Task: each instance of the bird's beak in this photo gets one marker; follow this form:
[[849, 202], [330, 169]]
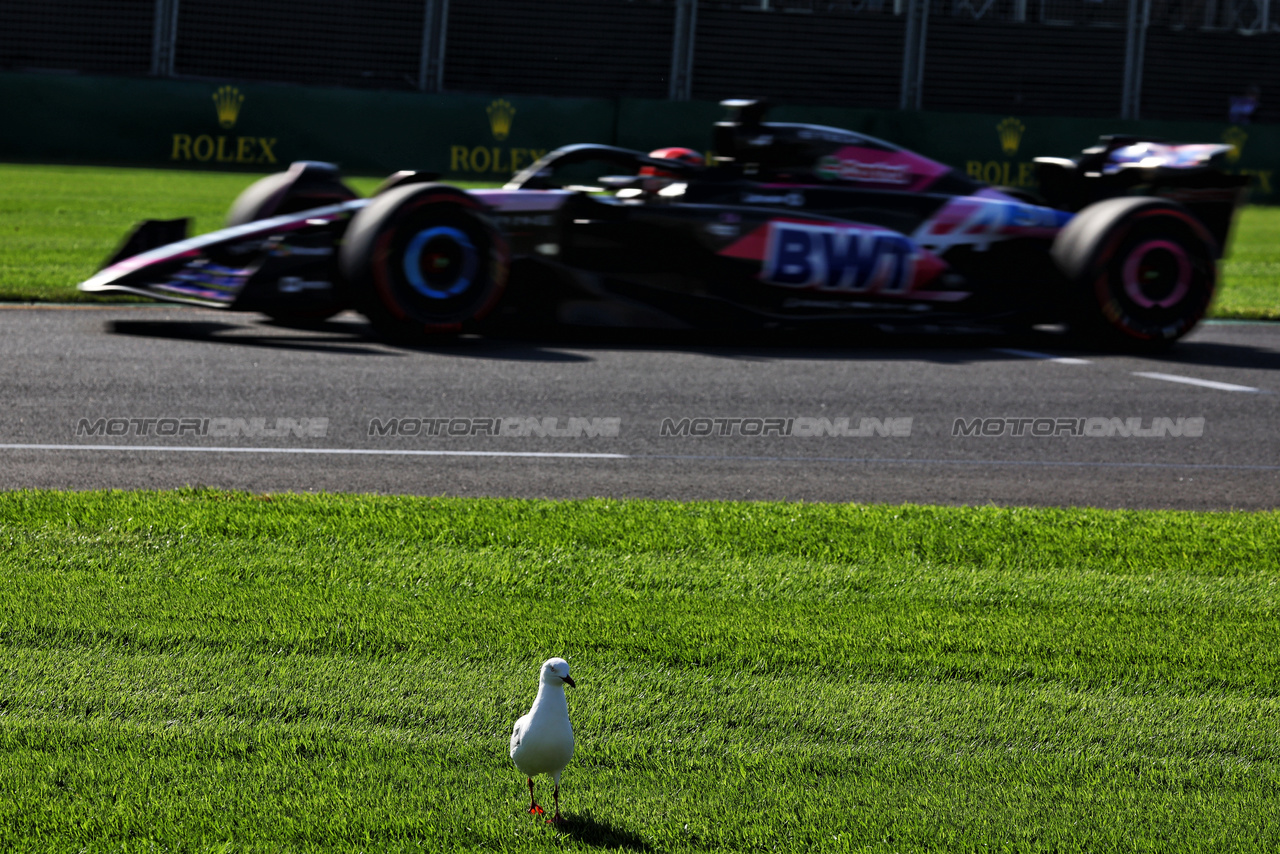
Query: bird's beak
[[569, 679]]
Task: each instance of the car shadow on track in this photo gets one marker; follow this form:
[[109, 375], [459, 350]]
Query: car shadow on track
[[318, 340], [940, 347], [335, 337], [1215, 354], [944, 347]]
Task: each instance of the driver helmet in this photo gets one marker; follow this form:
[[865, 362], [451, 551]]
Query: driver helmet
[[684, 155]]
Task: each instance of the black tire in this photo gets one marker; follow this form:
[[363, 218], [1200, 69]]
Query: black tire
[[422, 261], [1142, 272], [305, 185]]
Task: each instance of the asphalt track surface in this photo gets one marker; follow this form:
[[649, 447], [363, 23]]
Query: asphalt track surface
[[158, 397]]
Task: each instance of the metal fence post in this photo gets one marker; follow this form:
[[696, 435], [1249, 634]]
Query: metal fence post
[[164, 33], [435, 21], [913, 55], [1134, 49], [681, 83]]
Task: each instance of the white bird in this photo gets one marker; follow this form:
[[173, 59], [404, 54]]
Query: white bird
[[542, 741]]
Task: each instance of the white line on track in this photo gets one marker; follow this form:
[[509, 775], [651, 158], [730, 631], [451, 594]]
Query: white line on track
[[1047, 357], [387, 452], [1175, 378], [642, 457]]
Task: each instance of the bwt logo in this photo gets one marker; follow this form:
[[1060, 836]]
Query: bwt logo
[[1094, 427], [806, 427], [575, 428], [851, 259], [249, 428]]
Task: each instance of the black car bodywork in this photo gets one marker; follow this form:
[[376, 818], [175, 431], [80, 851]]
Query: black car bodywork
[[790, 226]]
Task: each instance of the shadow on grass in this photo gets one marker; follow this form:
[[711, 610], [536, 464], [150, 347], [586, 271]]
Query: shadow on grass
[[593, 831]]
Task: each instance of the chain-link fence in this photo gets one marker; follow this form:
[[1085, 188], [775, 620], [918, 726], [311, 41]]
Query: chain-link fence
[[1154, 59]]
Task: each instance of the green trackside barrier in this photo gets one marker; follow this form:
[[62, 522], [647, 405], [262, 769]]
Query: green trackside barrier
[[262, 127]]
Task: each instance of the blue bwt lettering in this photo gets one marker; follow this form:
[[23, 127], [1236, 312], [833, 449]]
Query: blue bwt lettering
[[852, 260]]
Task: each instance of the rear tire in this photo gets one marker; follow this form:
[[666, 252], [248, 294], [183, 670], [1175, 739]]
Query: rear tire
[[422, 261], [1142, 272]]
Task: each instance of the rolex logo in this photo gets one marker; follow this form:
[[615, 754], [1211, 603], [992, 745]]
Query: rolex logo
[[228, 100], [1010, 131], [500, 115], [1236, 138]]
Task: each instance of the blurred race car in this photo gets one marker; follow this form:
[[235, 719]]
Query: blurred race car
[[790, 226]]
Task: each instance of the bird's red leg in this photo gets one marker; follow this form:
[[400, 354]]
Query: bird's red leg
[[533, 805], [557, 819]]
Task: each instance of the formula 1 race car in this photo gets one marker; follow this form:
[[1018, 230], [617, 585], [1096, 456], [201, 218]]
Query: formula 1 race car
[[790, 226]]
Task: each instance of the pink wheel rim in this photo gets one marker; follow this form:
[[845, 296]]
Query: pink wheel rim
[[1136, 270]]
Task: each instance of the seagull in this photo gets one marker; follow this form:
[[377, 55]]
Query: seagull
[[542, 741]]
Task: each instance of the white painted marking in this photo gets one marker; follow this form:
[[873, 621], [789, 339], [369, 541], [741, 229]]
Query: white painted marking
[[388, 452], [1032, 354], [709, 458], [1174, 378]]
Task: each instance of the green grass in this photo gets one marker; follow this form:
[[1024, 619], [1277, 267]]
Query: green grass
[[208, 670], [58, 223], [1251, 273]]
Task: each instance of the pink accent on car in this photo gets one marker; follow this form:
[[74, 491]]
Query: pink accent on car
[[1133, 274], [978, 221], [925, 266], [993, 193], [145, 259], [928, 268], [751, 246], [1149, 155], [889, 169], [517, 201]]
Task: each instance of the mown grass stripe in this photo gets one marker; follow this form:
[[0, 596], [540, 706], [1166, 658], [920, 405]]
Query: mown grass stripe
[[214, 670]]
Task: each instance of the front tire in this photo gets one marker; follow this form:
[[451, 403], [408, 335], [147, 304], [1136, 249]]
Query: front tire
[[1142, 272], [424, 260], [305, 185]]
